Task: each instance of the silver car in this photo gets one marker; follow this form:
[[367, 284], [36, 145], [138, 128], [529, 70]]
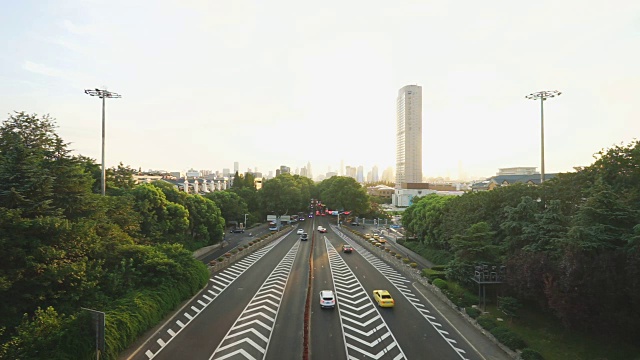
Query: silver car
[[327, 299]]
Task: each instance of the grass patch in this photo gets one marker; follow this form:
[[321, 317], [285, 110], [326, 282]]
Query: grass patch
[[545, 334], [436, 256]]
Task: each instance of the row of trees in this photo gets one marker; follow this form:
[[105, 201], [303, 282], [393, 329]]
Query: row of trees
[[571, 246], [63, 246]]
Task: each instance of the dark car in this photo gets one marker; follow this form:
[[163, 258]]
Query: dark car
[[237, 230], [354, 224], [346, 248], [304, 237]]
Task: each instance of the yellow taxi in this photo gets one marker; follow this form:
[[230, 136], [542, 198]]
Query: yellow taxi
[[367, 236], [382, 240], [376, 236], [383, 298]]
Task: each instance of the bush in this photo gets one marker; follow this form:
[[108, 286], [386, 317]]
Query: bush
[[439, 268], [472, 312], [470, 299], [508, 338], [487, 322], [440, 284], [432, 274], [530, 354]]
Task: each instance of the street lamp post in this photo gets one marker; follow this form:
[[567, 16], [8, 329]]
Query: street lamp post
[[245, 220], [103, 94], [542, 95]]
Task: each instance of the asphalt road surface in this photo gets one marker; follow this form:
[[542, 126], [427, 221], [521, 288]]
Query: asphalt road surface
[[254, 308]]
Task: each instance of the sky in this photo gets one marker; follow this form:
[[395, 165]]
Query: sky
[[205, 83]]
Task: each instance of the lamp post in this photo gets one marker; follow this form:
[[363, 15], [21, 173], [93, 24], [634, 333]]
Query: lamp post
[[245, 220], [542, 96], [102, 94]]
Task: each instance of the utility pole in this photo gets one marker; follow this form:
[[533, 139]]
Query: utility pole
[[103, 94], [542, 95]]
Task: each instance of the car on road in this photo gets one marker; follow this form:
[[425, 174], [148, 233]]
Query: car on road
[[304, 237], [383, 298], [237, 230], [322, 229], [367, 236], [376, 236], [327, 299], [354, 224], [346, 248], [300, 231], [382, 240]]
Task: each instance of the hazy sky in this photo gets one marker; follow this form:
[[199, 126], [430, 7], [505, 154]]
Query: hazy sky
[[270, 83]]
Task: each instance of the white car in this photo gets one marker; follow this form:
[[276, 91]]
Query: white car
[[300, 232], [327, 299]]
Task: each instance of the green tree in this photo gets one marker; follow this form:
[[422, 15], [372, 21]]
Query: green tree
[[281, 195], [162, 221], [232, 206], [120, 177], [205, 221], [344, 193], [29, 148]]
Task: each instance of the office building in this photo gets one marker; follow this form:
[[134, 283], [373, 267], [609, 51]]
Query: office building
[[409, 136]]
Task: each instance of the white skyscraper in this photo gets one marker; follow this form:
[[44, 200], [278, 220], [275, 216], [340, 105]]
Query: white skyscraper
[[409, 135]]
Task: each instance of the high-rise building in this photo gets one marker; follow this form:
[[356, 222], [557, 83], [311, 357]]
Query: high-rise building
[[236, 167], [341, 168], [374, 174], [309, 173], [360, 174], [409, 135], [387, 175], [350, 171]]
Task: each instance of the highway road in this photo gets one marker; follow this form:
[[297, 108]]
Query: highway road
[[254, 309]]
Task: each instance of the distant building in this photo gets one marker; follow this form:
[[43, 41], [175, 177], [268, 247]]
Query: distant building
[[236, 167], [360, 174], [506, 180], [226, 172], [283, 170], [517, 171], [191, 173], [388, 175], [403, 196], [350, 171], [257, 182], [381, 191], [374, 174], [409, 135]]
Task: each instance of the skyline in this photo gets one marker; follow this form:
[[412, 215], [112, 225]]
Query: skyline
[[205, 85]]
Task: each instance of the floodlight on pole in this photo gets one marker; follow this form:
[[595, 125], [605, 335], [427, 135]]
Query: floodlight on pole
[[542, 96], [103, 94]]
